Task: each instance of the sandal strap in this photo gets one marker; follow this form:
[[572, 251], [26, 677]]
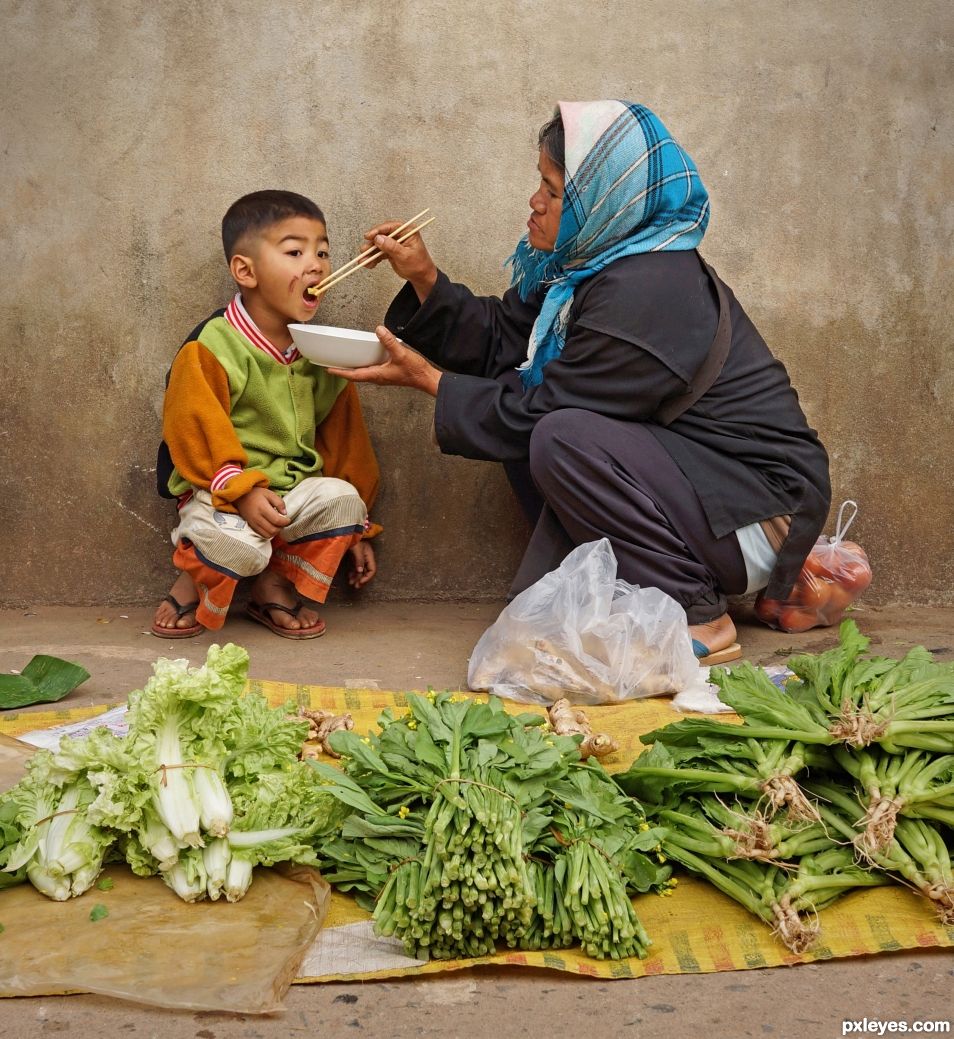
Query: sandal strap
[[181, 608], [292, 611], [700, 649]]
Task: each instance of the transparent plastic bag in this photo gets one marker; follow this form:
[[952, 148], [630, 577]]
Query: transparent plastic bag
[[835, 573], [581, 633]]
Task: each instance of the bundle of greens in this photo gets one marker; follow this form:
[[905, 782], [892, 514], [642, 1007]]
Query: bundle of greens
[[740, 832], [783, 870], [915, 784], [858, 750], [917, 853], [787, 896], [470, 826], [899, 704], [205, 786], [700, 754], [59, 849]]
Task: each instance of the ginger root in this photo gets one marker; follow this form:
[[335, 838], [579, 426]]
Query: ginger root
[[565, 720], [321, 724]]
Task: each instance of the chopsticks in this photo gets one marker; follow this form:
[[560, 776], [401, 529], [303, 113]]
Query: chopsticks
[[370, 255]]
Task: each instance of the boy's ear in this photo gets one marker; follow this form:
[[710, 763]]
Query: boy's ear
[[243, 271]]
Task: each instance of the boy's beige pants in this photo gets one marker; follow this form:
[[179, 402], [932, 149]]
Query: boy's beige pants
[[218, 548]]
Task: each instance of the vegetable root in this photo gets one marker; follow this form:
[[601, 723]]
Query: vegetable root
[[857, 728], [754, 840], [880, 822], [784, 791], [566, 720], [321, 724], [943, 898], [791, 928]]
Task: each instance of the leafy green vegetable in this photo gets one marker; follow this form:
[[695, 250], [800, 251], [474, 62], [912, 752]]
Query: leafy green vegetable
[[98, 912], [10, 833], [916, 853], [205, 785], [279, 816], [44, 680], [105, 884], [858, 748], [60, 847], [470, 826]]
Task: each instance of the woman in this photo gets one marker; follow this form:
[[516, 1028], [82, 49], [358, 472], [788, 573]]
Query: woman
[[619, 380]]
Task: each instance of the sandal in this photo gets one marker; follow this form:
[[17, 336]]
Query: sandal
[[181, 610], [259, 612], [720, 656]]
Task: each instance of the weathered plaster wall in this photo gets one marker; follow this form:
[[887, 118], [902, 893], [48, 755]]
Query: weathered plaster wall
[[823, 131]]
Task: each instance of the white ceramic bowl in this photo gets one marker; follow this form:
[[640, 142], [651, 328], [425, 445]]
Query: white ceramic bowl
[[338, 347]]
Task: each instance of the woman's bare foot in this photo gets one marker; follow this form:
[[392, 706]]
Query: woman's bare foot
[[716, 635], [167, 617], [270, 587]]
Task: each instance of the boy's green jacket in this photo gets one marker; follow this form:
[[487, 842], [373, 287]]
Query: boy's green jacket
[[237, 416]]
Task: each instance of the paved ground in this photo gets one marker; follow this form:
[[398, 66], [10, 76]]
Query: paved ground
[[402, 646]]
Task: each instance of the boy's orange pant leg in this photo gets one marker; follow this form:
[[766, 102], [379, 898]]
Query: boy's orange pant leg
[[215, 586], [310, 564]]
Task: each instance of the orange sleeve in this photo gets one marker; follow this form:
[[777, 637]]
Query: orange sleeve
[[342, 441], [197, 428]]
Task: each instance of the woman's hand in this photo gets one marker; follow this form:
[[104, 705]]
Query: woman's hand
[[363, 565], [404, 367], [410, 260]]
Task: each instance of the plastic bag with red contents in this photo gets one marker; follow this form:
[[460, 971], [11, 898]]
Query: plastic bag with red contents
[[835, 573]]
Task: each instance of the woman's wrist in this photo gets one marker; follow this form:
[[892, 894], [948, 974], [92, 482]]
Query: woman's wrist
[[424, 285], [431, 381]]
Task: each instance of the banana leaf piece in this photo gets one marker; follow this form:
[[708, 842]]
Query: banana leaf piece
[[44, 680]]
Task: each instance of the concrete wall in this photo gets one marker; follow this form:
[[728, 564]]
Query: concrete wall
[[822, 129]]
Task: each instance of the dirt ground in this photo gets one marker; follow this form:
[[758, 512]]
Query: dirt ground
[[407, 646]]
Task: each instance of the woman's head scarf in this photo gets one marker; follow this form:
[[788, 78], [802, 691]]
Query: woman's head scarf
[[629, 188]]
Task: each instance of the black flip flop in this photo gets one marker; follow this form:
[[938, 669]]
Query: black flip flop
[[259, 612], [181, 610]]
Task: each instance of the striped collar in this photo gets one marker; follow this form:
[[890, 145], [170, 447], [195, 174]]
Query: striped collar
[[238, 317]]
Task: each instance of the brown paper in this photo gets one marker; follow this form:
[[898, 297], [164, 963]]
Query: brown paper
[[13, 758], [154, 948]]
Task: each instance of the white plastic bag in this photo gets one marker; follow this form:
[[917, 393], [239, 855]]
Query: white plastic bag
[[581, 633]]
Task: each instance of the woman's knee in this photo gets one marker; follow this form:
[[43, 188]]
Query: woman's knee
[[556, 439]]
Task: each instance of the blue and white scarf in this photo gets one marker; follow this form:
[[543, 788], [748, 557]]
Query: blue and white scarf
[[629, 188]]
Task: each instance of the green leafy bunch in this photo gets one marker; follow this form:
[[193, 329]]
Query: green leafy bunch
[[470, 826]]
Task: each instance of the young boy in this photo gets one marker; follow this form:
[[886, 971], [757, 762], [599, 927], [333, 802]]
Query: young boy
[[267, 454]]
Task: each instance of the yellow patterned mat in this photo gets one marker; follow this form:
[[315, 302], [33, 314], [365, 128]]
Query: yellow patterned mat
[[695, 931]]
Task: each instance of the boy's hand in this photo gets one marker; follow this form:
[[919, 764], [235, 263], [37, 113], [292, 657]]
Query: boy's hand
[[404, 367], [263, 510], [410, 260], [363, 565]]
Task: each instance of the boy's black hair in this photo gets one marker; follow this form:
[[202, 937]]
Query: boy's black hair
[[261, 209], [552, 140]]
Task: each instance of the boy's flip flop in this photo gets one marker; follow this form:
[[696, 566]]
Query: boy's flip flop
[[259, 612], [181, 610], [720, 656]]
